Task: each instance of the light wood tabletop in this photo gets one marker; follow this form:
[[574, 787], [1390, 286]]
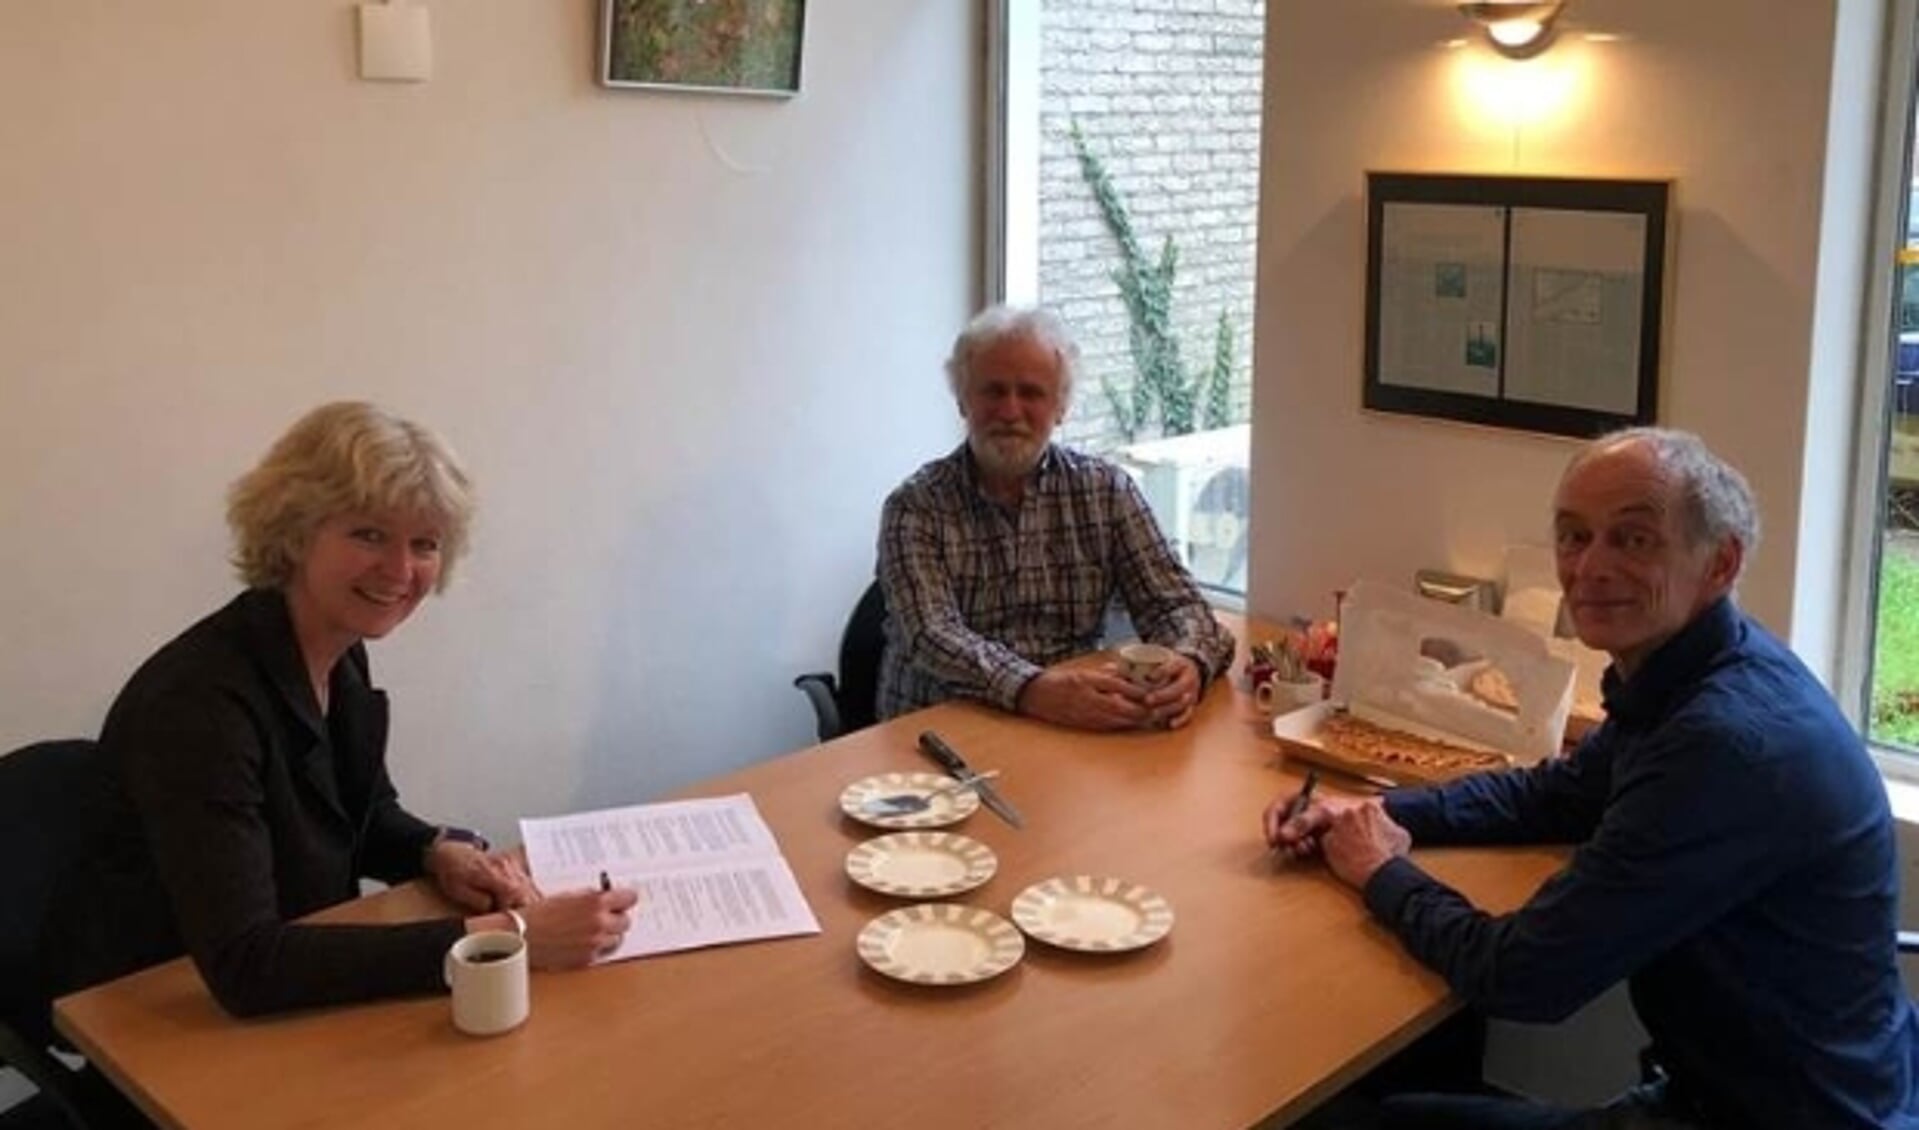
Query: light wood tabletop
[[1272, 991]]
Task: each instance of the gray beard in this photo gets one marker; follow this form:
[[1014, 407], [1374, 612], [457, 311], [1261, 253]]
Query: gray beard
[[1006, 458]]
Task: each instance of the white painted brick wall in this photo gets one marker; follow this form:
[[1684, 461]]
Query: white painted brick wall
[[1167, 95]]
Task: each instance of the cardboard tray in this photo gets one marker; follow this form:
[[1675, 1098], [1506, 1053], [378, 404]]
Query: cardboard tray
[[1297, 733]]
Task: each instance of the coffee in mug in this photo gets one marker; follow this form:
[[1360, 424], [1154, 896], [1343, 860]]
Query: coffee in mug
[[488, 975]]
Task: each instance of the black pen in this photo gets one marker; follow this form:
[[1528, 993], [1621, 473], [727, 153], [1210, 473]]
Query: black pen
[[1305, 797], [606, 884]]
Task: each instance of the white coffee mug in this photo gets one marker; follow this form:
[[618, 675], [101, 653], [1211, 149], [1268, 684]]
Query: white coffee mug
[[487, 973], [1145, 664], [1282, 696]]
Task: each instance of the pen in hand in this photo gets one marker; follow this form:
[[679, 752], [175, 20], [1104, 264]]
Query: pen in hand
[[1297, 806]]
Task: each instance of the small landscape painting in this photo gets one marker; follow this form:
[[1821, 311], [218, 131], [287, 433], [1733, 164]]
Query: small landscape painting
[[717, 46]]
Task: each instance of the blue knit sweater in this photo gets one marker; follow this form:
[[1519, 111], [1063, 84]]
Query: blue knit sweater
[[1735, 863]]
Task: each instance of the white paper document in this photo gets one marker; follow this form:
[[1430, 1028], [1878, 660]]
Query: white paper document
[[709, 871], [1442, 290], [1572, 335]]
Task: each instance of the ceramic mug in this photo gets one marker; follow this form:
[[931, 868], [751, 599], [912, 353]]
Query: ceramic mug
[[1280, 696], [1146, 664], [487, 973]]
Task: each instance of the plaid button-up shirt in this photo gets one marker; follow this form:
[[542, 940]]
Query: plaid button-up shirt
[[981, 597]]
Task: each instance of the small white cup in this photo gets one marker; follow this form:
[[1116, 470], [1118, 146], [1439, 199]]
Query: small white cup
[[1280, 696], [487, 973], [1146, 664]]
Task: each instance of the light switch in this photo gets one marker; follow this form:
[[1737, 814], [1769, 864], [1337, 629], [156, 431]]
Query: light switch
[[396, 43]]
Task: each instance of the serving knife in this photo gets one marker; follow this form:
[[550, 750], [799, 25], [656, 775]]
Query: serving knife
[[935, 747]]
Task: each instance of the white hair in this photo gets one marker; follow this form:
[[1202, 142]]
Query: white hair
[[1716, 502], [1002, 323]]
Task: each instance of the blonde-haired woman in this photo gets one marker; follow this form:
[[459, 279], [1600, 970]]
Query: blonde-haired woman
[[246, 761]]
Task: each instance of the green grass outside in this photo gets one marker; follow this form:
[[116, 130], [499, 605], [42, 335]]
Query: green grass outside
[[1895, 660]]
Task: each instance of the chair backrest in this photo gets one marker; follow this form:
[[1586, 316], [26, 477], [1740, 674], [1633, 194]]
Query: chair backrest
[[49, 806], [860, 647]]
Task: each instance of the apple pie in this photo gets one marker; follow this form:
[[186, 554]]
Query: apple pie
[[1358, 740], [1491, 686]]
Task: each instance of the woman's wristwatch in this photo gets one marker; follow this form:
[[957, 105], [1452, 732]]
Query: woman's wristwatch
[[447, 833]]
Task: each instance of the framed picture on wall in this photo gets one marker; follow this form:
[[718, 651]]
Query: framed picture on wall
[[1519, 302], [704, 46]]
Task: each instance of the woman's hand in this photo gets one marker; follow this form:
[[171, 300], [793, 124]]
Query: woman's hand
[[568, 931], [478, 881]]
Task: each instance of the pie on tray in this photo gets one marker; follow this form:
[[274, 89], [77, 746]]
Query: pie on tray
[[1491, 686], [1354, 744]]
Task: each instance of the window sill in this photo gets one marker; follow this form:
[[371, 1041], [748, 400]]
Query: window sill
[[1223, 600], [1901, 774]]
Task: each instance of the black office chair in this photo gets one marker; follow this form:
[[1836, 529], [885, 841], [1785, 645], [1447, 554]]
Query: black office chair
[[48, 804], [848, 703]]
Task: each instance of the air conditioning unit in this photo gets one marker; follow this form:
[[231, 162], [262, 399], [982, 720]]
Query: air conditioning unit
[[1199, 489]]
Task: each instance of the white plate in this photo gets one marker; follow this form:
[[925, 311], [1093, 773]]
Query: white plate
[[921, 864], [1094, 915], [949, 809], [941, 943]]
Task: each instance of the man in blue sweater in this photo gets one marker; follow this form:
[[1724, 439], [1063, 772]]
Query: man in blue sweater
[[1735, 859]]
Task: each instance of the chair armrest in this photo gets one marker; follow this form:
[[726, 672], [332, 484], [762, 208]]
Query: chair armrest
[[820, 690]]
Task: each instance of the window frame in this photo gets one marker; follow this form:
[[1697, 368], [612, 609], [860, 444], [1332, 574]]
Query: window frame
[[1892, 173], [1009, 198]]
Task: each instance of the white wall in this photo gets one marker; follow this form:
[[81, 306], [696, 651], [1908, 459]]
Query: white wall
[[685, 343], [1732, 108], [1740, 112]]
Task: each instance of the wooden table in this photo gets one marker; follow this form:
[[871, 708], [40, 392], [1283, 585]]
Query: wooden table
[[1273, 991]]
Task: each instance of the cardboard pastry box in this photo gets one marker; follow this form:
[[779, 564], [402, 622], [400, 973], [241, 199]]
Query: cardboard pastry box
[[1427, 691]]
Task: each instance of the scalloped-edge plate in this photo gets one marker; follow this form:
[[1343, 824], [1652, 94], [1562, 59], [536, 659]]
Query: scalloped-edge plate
[[948, 809], [940, 943], [1093, 915]]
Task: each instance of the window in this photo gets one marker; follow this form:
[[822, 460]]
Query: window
[[1125, 192], [1885, 662]]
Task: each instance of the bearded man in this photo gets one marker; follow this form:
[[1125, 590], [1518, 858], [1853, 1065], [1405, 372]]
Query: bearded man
[[1000, 560]]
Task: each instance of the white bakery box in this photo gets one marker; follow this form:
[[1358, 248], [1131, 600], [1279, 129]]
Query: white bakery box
[[1428, 691]]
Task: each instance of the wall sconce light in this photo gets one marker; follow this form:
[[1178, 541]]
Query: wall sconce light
[[1517, 29]]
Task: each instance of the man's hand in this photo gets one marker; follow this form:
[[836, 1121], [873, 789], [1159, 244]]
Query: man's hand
[[1172, 702], [1085, 698], [478, 881], [1298, 834], [1360, 841]]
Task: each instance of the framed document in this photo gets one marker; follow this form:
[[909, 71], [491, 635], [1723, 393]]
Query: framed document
[[1519, 302]]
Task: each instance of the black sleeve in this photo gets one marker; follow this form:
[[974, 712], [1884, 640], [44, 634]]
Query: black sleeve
[[193, 771], [396, 840]]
